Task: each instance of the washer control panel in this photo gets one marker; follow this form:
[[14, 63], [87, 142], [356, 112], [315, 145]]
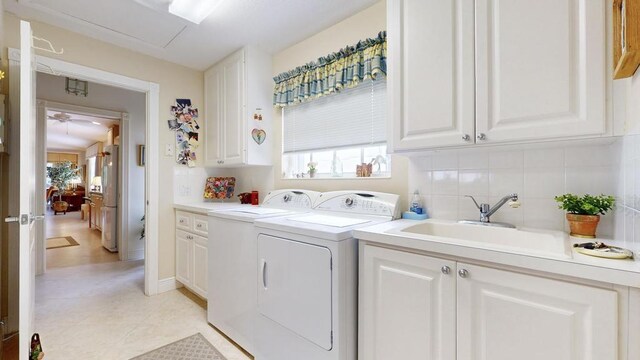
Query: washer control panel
[[359, 202], [291, 199]]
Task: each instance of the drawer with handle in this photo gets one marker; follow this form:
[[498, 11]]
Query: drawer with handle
[[184, 220], [200, 225]]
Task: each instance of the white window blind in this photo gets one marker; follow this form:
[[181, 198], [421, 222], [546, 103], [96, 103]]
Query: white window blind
[[353, 117]]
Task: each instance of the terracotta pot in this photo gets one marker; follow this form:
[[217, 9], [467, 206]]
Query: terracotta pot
[[583, 225]]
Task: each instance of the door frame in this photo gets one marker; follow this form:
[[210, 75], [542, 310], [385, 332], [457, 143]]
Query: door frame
[[152, 171]]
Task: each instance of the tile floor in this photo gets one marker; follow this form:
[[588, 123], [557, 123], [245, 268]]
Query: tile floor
[[91, 306]]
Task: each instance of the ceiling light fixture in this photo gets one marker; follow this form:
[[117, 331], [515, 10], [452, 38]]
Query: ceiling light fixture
[[95, 122], [193, 10]]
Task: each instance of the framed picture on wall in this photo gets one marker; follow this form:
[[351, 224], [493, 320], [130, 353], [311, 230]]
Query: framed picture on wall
[[626, 37], [141, 155]]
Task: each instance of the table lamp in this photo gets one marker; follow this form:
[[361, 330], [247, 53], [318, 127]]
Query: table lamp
[[74, 182]]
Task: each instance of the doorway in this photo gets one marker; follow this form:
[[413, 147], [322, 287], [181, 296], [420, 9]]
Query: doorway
[[108, 119], [76, 138], [26, 270]]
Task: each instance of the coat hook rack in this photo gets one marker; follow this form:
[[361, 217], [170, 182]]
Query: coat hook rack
[[50, 49]]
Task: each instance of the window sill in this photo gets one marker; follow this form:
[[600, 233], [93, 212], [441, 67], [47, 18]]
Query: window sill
[[380, 177]]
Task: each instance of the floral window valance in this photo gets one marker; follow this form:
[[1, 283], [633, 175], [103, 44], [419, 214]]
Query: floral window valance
[[343, 69]]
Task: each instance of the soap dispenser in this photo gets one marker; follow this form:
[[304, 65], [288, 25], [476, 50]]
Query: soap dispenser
[[416, 203]]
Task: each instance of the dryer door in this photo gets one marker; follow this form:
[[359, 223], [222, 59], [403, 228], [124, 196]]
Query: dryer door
[[294, 287]]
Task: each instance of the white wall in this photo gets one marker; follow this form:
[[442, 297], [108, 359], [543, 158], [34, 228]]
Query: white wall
[[104, 97]]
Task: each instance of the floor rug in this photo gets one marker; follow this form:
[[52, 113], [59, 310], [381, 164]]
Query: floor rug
[[60, 242], [194, 347]]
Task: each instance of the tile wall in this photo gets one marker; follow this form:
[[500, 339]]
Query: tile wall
[[627, 216], [536, 174]]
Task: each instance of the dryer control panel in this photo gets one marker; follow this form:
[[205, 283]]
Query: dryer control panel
[[360, 202]]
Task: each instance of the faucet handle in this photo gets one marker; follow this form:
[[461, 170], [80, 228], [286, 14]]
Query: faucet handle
[[474, 201]]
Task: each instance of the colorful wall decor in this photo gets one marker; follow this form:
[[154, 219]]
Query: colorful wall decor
[[257, 133], [219, 188], [186, 126]]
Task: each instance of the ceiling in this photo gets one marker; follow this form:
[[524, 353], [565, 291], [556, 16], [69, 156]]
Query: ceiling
[[147, 27], [77, 134]]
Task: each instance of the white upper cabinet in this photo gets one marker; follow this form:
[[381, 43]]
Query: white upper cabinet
[[541, 69], [236, 89], [495, 70], [430, 73]]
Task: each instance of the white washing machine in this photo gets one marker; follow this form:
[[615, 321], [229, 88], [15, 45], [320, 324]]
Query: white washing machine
[[232, 269], [308, 277]]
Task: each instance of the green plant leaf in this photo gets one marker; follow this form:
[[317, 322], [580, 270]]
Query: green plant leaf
[[585, 205]]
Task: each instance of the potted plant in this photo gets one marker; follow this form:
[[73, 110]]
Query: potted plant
[[312, 168], [583, 212], [60, 175]]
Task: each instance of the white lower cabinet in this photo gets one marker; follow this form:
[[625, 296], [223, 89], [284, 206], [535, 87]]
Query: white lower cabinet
[[191, 252], [420, 307]]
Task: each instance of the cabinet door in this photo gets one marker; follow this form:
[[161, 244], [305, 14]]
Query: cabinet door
[[184, 251], [431, 73], [541, 69], [407, 306], [214, 110], [505, 316], [200, 270], [234, 113]]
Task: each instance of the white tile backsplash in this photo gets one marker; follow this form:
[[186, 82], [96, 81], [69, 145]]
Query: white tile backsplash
[[626, 224], [536, 174]]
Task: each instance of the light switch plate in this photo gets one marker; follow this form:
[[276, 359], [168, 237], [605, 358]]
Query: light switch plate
[[168, 150]]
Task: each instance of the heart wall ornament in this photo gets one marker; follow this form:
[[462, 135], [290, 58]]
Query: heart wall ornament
[[258, 136]]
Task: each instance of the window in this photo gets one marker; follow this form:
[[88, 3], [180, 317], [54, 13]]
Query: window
[[337, 133]]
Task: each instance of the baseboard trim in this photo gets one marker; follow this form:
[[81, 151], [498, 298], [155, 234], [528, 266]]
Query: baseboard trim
[[136, 255], [168, 284]]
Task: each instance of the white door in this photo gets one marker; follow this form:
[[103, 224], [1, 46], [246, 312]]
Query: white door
[[407, 306], [25, 188], [234, 109], [504, 316], [214, 112], [540, 69], [294, 287], [184, 250], [200, 259], [431, 73]]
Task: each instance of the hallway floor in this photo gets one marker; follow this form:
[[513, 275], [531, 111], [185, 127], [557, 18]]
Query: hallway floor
[[99, 311], [90, 250], [89, 305]]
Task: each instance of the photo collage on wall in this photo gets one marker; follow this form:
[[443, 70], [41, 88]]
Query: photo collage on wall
[[186, 126]]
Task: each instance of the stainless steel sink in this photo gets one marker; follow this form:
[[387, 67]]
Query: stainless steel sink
[[553, 243]]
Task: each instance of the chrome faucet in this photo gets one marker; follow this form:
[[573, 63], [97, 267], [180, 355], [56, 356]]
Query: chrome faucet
[[487, 210]]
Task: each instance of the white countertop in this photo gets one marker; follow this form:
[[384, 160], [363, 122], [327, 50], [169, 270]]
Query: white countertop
[[621, 272], [204, 207]]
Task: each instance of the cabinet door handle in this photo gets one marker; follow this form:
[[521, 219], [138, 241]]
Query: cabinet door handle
[[264, 274], [445, 270], [463, 273], [481, 137], [466, 137]]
